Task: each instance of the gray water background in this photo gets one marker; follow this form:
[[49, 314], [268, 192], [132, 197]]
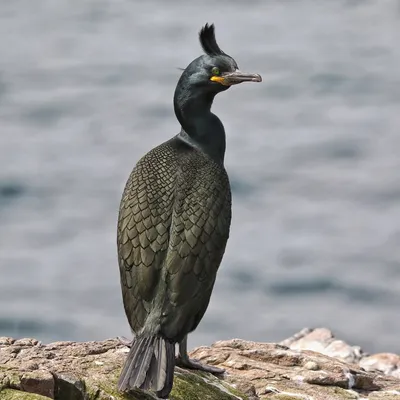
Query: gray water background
[[313, 155]]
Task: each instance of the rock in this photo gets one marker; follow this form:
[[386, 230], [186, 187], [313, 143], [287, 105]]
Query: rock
[[387, 363], [277, 371], [323, 341], [90, 371], [291, 370]]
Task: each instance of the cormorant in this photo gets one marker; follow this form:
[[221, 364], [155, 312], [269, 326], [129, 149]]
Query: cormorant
[[173, 225]]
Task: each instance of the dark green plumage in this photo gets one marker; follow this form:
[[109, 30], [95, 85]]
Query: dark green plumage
[[173, 226]]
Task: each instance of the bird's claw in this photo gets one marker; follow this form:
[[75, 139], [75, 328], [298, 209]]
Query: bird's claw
[[192, 363]]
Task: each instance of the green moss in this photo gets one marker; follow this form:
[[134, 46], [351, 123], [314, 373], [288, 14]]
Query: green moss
[[198, 386], [234, 391], [109, 388], [11, 394], [187, 386], [9, 379], [92, 393]]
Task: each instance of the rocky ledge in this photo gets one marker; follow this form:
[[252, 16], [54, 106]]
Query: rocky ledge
[[311, 365]]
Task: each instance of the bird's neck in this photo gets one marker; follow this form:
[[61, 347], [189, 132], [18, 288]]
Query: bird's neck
[[201, 128]]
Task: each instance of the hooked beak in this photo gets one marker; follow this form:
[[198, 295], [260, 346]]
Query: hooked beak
[[233, 78]]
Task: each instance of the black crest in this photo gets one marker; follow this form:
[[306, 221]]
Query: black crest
[[208, 41]]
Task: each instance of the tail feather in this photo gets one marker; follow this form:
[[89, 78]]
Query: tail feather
[[169, 357], [131, 372], [155, 377], [150, 365], [161, 365], [142, 364]]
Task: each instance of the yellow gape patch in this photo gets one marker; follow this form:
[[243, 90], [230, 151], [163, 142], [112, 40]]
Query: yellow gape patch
[[219, 79]]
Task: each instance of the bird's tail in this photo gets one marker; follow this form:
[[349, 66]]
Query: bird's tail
[[150, 365]]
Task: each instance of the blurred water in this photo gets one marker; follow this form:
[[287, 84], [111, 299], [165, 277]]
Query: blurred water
[[313, 155]]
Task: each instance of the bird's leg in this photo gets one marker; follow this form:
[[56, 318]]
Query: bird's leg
[[125, 341], [184, 361]]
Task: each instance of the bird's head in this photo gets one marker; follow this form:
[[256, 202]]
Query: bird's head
[[215, 71]]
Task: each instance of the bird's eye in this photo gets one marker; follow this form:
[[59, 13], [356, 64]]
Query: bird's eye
[[215, 71]]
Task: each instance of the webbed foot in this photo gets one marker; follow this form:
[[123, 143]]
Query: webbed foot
[[184, 361], [192, 363]]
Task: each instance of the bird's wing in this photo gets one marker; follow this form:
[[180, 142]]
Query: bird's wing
[[143, 231], [199, 233], [173, 227]]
